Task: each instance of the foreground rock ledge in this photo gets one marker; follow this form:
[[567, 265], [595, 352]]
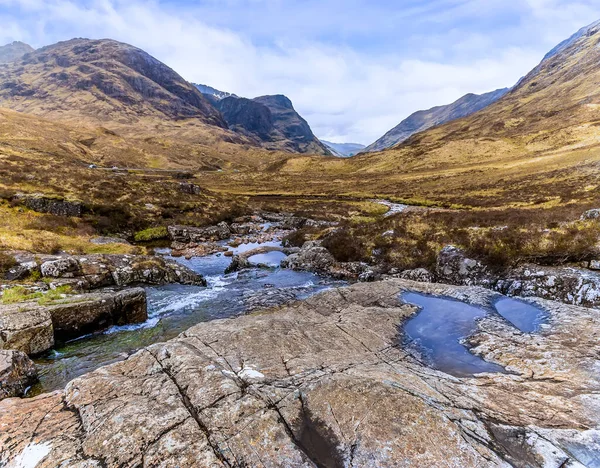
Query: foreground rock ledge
[[322, 383]]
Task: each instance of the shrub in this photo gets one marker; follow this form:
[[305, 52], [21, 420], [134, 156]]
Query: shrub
[[6, 263], [345, 247], [151, 234]]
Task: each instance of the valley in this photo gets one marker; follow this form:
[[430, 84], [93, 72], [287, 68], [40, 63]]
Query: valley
[[193, 278]]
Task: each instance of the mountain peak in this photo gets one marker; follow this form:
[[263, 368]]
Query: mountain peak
[[14, 51], [101, 80]]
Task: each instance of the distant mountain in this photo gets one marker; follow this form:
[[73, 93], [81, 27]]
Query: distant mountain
[[270, 120], [423, 120], [101, 81], [14, 51], [211, 92], [344, 150]]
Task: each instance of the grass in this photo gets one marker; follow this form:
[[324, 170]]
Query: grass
[[151, 234], [20, 294], [501, 239]]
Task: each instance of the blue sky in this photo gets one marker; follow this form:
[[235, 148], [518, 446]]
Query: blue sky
[[353, 68]]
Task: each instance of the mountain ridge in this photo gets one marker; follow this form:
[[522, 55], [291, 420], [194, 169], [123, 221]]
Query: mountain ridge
[[423, 120]]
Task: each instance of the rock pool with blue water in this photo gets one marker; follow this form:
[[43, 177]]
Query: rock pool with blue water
[[525, 316], [436, 331], [174, 308]]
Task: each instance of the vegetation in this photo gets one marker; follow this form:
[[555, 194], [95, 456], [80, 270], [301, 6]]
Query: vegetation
[[151, 234], [500, 239], [22, 294]]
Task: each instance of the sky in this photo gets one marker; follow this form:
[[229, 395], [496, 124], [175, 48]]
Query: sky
[[353, 68]]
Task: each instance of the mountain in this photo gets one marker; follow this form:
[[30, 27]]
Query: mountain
[[14, 51], [101, 81], [211, 92], [536, 148], [271, 121], [344, 150], [422, 120]]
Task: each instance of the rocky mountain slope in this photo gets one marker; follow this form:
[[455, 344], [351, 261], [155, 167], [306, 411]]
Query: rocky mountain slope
[[101, 81], [423, 120], [344, 150], [14, 51], [271, 121]]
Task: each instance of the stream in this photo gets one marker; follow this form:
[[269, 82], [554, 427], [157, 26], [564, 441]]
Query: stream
[[174, 308]]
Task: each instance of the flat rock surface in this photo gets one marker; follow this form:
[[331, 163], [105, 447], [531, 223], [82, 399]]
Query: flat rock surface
[[327, 383]]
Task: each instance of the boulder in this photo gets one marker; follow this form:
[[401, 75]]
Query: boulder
[[419, 274], [190, 189], [311, 257], [187, 234], [67, 267], [48, 204], [21, 271], [17, 372], [30, 331], [454, 267], [326, 382], [591, 214], [82, 314]]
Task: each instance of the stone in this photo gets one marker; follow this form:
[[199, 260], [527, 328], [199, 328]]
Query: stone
[[48, 204], [187, 234], [30, 331], [82, 314], [591, 214], [454, 267], [67, 267], [190, 189], [17, 372], [327, 382], [311, 257], [419, 274]]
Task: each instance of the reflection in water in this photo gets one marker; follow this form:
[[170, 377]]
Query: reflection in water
[[525, 316], [435, 334]]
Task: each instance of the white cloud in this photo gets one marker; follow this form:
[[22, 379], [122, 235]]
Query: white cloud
[[352, 76]]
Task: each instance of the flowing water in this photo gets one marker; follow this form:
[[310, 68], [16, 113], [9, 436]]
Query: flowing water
[[173, 309], [436, 332]]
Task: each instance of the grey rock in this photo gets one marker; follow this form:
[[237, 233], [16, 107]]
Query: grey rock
[[454, 267], [67, 267], [188, 234], [312, 257], [46, 204], [30, 331], [591, 214], [17, 372], [419, 274]]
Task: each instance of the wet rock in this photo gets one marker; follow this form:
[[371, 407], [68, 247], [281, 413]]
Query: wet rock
[[17, 372], [70, 317], [326, 382], [564, 284], [187, 234], [47, 204], [87, 272], [268, 298], [82, 314], [454, 267], [30, 331], [241, 261]]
